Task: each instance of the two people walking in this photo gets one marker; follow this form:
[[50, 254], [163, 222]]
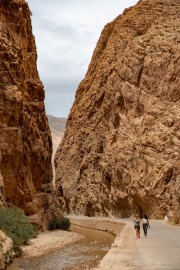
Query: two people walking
[[145, 224]]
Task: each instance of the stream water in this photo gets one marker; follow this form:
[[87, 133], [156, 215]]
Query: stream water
[[83, 254]]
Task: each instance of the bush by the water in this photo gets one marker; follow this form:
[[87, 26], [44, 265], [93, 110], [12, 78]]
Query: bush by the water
[[59, 223], [17, 226]]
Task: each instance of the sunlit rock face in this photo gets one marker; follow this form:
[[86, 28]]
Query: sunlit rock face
[[25, 140], [120, 152], [6, 250]]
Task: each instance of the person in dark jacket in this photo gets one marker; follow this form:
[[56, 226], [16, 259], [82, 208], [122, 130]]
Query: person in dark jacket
[[145, 223]]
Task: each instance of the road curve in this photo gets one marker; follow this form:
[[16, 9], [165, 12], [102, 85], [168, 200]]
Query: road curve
[[159, 251]]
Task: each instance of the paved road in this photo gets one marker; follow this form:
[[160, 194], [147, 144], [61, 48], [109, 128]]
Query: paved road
[[159, 251]]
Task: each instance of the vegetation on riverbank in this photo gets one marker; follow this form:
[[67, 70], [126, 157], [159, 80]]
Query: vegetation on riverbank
[[16, 225], [59, 223]]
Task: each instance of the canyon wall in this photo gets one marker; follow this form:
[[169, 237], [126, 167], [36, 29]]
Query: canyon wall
[[120, 152], [6, 250], [25, 140]]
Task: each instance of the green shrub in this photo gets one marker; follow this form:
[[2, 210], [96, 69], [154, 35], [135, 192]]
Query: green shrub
[[52, 224], [59, 223], [17, 226]]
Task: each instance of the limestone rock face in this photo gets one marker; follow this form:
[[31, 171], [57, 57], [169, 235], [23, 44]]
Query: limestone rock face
[[25, 140], [2, 195], [120, 152], [6, 250]]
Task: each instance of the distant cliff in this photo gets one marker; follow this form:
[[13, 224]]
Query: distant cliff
[[57, 126], [25, 140], [120, 153]]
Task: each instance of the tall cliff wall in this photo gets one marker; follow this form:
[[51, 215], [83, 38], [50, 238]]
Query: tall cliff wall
[[120, 152], [25, 140]]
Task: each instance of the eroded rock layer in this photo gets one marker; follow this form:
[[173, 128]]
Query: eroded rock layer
[[120, 152], [6, 250], [25, 140]]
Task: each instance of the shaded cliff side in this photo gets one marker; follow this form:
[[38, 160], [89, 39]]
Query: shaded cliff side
[[25, 140], [120, 152]]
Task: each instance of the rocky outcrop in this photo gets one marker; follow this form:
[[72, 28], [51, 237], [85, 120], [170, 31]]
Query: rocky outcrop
[[25, 140], [2, 195], [120, 152], [6, 250]]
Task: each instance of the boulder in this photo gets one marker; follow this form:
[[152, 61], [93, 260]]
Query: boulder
[[6, 250]]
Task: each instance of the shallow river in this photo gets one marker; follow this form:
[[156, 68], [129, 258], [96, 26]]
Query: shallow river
[[83, 254]]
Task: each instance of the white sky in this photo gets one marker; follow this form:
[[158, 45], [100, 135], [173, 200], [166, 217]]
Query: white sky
[[66, 33]]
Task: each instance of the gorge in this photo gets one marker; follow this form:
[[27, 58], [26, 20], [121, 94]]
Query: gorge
[[120, 151]]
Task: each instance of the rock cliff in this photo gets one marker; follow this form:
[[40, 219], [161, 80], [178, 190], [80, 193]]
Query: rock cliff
[[25, 140], [6, 250], [120, 152]]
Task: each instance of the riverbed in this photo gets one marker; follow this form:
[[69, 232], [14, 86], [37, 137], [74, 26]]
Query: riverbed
[[83, 254]]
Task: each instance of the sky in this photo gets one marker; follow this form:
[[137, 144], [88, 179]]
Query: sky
[[66, 33]]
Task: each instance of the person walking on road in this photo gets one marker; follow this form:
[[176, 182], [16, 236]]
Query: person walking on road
[[137, 226], [145, 223]]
